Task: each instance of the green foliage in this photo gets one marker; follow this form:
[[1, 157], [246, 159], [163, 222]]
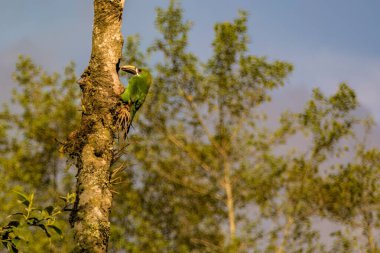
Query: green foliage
[[43, 111], [18, 232], [134, 57], [203, 129], [329, 119], [33, 148]]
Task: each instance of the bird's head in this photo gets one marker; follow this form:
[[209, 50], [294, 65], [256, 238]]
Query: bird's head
[[139, 72], [131, 69]]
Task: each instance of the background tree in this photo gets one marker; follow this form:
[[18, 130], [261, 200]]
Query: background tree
[[213, 159], [43, 110]]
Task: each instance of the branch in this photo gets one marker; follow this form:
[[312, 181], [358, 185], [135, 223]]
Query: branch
[[190, 154], [194, 108], [178, 181]]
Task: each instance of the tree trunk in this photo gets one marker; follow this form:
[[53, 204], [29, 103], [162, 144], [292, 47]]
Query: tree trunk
[[368, 233], [286, 233], [94, 141], [229, 201]]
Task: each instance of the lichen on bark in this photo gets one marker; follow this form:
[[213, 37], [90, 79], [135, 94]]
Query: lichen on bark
[[92, 144]]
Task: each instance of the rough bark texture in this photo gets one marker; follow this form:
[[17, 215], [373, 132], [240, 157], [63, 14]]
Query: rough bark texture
[[94, 141]]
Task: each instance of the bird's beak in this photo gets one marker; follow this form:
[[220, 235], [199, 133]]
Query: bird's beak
[[130, 69]]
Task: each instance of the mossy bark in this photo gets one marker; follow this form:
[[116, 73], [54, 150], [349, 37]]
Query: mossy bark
[[94, 141]]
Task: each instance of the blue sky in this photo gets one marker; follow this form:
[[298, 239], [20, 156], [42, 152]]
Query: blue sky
[[327, 41]]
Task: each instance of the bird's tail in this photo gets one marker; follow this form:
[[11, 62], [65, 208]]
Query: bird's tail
[[124, 120], [133, 113]]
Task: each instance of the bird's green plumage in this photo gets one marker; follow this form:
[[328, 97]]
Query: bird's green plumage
[[136, 91]]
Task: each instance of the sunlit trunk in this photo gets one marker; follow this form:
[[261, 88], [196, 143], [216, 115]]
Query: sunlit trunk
[[285, 234], [229, 200], [368, 233], [94, 141]]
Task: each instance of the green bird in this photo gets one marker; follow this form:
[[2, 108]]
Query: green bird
[[134, 95]]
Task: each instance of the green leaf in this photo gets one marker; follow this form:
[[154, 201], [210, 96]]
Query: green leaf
[[21, 195], [12, 247], [25, 203], [56, 229], [49, 209], [43, 227], [13, 223], [23, 198], [33, 221], [15, 214]]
